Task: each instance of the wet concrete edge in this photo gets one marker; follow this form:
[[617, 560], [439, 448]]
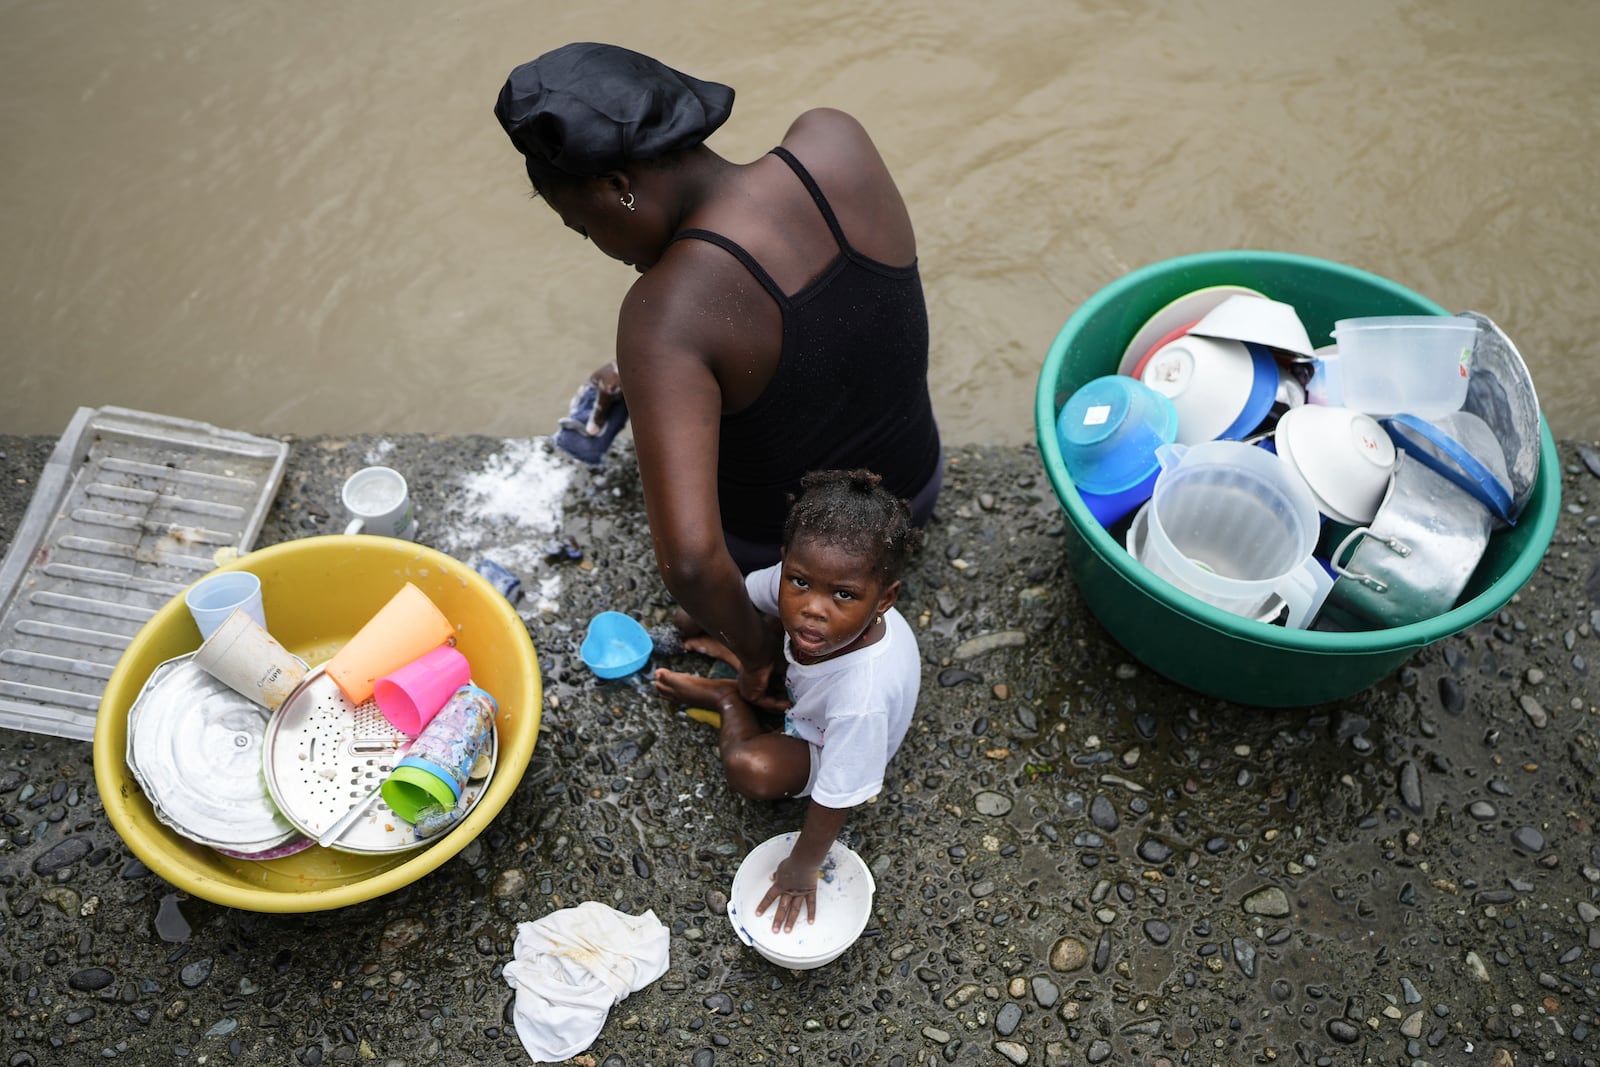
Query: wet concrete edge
[[1076, 860]]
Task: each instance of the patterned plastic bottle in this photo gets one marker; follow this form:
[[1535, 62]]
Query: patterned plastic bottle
[[450, 744]]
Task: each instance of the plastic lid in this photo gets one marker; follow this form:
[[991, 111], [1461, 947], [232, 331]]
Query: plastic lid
[[1401, 322], [1441, 451], [410, 788]]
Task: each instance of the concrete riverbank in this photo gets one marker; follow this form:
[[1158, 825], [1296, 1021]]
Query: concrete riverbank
[[1076, 861]]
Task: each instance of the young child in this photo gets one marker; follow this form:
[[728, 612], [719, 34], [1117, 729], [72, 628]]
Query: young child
[[853, 670]]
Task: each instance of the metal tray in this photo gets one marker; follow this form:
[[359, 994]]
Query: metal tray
[[322, 754], [195, 747], [130, 509]]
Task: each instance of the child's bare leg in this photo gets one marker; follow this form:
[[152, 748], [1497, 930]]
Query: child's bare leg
[[760, 764], [684, 623]]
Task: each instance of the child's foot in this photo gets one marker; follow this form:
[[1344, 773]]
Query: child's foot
[[691, 689]]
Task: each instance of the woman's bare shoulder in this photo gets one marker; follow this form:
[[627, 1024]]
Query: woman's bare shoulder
[[826, 127], [838, 152]]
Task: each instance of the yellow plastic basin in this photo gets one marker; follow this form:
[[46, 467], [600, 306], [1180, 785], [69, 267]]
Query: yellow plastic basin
[[318, 592]]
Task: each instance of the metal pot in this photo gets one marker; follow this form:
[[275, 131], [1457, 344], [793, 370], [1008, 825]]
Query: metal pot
[[1416, 556]]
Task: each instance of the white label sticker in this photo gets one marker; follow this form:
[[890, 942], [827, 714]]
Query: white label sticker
[[1097, 414]]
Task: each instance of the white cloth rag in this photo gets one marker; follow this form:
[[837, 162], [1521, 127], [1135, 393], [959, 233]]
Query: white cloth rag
[[571, 966]]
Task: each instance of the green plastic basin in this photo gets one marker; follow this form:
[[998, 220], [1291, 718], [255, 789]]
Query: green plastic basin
[[1184, 638]]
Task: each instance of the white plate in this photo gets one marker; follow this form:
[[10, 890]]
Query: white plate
[[1188, 308]]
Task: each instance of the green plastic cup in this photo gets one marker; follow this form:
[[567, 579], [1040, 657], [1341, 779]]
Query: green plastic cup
[[408, 790]]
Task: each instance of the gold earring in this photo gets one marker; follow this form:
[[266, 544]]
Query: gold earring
[[627, 201]]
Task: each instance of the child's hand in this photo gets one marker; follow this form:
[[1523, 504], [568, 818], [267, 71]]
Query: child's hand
[[792, 885]]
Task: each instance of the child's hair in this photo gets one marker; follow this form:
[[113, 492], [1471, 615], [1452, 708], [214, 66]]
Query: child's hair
[[852, 509]]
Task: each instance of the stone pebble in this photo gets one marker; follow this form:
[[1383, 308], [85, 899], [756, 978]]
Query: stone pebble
[[1068, 954]]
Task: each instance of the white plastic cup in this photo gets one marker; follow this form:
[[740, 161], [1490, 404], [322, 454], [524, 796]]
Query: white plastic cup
[[213, 598], [244, 657], [379, 502]]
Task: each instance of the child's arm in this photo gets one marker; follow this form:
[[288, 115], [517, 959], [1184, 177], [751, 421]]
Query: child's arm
[[795, 880]]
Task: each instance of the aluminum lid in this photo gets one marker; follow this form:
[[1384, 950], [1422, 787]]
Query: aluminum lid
[[194, 745], [1500, 392]]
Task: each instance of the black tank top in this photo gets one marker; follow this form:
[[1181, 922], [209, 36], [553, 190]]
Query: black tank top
[[850, 390]]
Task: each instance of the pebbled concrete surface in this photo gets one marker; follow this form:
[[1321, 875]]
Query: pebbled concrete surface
[[1077, 861]]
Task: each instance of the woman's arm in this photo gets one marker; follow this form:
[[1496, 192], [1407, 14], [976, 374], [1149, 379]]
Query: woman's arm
[[676, 407]]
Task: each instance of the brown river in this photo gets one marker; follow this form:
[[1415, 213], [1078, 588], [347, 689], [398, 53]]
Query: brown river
[[301, 217]]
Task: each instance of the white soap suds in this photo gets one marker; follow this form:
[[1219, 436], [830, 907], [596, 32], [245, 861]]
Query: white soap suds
[[509, 510]]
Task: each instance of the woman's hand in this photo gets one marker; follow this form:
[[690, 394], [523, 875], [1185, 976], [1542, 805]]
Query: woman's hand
[[793, 885], [761, 683], [608, 389]]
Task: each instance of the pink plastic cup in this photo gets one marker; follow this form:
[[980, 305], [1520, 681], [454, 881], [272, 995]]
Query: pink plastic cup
[[412, 695]]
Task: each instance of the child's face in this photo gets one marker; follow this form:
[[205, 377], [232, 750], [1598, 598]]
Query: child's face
[[830, 599]]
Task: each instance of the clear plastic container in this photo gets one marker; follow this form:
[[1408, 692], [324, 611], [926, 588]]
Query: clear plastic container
[[1417, 364], [1230, 524]]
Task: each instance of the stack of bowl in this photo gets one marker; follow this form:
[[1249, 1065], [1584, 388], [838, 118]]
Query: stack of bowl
[[1344, 464]]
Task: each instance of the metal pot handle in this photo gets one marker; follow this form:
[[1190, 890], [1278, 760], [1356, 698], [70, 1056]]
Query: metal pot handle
[[1351, 542]]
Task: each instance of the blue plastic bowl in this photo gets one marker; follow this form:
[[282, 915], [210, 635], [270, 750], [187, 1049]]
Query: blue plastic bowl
[[1109, 431], [1263, 388], [1111, 508], [615, 645]]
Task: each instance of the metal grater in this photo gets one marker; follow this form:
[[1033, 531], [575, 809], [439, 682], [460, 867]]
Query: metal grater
[[322, 754]]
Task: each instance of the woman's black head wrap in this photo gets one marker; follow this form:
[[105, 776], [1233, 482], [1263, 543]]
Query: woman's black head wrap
[[585, 109]]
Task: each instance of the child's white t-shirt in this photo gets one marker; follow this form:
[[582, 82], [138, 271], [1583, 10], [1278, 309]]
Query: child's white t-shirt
[[854, 708]]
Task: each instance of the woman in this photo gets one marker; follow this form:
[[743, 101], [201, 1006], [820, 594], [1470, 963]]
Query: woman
[[778, 325]]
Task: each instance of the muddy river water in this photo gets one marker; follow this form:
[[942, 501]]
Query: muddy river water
[[302, 218]]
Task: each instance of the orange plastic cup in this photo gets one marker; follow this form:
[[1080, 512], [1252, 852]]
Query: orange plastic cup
[[407, 627]]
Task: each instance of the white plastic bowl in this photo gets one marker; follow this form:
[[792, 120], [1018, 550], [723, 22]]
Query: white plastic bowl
[[1344, 456], [844, 904], [1258, 320], [1209, 382], [1180, 312]]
